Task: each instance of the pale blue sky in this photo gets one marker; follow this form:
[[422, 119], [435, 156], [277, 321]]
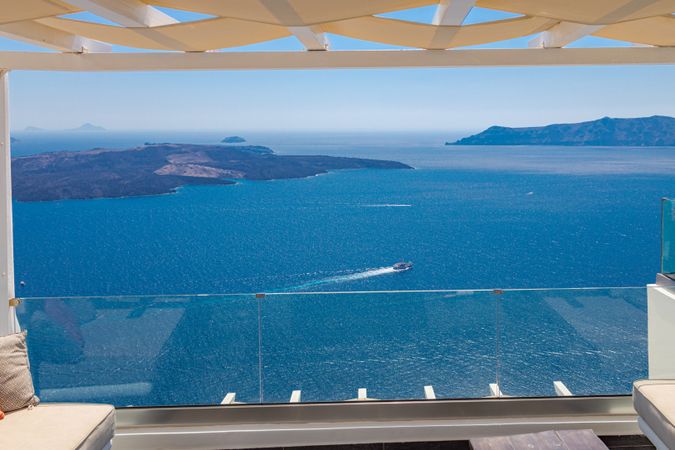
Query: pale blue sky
[[369, 100]]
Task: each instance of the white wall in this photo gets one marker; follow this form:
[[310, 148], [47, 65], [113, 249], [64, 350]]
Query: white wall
[[661, 317]]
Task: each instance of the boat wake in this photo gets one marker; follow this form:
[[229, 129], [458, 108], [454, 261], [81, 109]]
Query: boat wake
[[346, 278]]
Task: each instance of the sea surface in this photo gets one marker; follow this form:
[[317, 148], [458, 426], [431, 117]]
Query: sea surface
[[469, 218]]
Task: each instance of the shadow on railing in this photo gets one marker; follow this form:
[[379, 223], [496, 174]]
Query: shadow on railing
[[307, 347]]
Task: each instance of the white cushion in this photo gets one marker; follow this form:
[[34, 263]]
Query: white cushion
[[58, 426], [654, 401]]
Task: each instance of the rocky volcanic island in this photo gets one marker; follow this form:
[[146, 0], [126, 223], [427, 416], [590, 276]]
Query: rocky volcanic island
[[162, 168]]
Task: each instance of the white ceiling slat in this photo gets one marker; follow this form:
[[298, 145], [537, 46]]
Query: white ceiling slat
[[658, 31], [590, 12], [433, 37], [452, 12], [563, 34], [133, 14], [209, 34], [48, 37], [23, 10], [307, 12], [310, 37], [130, 13]]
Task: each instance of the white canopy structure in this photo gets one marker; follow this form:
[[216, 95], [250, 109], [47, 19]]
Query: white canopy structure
[[118, 26], [169, 44]]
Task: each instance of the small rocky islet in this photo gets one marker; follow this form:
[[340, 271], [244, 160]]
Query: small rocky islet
[[233, 140]]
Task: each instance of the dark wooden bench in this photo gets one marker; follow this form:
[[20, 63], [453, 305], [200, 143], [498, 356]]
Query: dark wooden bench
[[553, 440]]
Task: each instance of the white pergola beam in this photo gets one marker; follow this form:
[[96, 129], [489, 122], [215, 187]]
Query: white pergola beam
[[452, 12], [7, 317], [563, 34], [310, 38], [130, 13], [143, 62], [44, 36]]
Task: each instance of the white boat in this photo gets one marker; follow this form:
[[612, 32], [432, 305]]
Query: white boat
[[402, 266]]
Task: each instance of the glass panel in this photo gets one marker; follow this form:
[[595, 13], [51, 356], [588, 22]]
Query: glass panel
[[594, 341], [668, 236], [192, 350], [143, 350], [393, 344]]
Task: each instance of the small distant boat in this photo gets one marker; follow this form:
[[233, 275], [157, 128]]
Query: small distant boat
[[402, 266]]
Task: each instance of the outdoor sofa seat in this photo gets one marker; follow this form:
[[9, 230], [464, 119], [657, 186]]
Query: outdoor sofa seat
[[58, 426], [654, 401]]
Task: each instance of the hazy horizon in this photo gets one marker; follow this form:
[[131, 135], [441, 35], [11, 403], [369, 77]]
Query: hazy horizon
[[74, 128], [385, 100]]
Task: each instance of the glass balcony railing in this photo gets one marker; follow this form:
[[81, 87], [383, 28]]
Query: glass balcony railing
[[314, 347], [594, 341], [668, 236]]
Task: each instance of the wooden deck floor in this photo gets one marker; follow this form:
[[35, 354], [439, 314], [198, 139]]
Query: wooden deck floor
[[545, 440], [636, 442]]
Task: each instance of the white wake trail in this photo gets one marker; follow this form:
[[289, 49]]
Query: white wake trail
[[346, 278]]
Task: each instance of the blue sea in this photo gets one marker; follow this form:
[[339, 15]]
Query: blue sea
[[467, 217]]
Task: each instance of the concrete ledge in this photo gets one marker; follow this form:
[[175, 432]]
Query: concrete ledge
[[259, 426]]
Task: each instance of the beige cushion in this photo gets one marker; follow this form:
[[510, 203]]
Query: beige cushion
[[654, 401], [16, 383], [58, 426]]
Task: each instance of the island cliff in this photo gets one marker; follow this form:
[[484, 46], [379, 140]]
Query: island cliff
[[161, 168], [637, 132]]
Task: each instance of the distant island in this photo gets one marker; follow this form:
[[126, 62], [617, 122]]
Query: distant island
[[88, 127], [162, 168], [233, 140], [12, 140], [637, 132], [84, 127]]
